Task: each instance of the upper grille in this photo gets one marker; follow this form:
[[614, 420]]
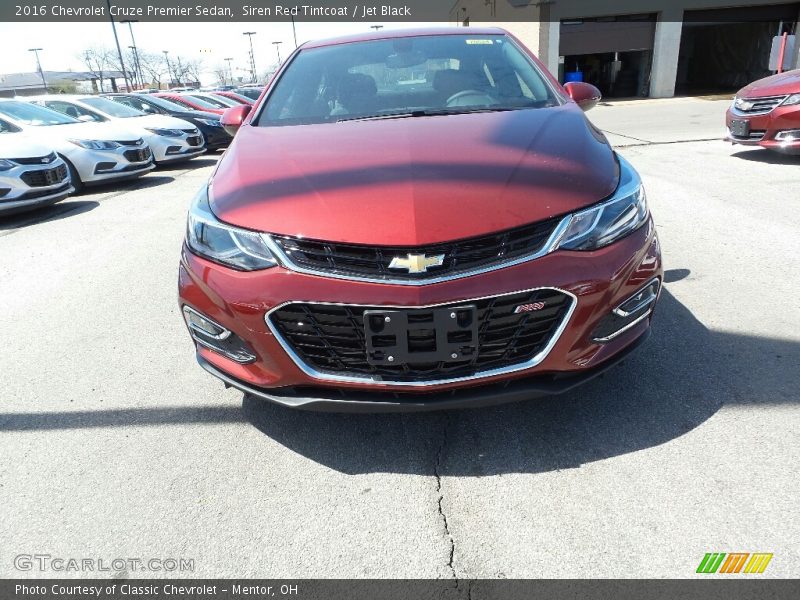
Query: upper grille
[[138, 142], [373, 261], [758, 106], [39, 160], [331, 338], [45, 177]]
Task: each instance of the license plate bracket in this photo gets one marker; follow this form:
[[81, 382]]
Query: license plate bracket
[[398, 337], [740, 128]]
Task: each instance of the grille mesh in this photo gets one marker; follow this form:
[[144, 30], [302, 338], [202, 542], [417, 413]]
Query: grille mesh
[[331, 338], [462, 255]]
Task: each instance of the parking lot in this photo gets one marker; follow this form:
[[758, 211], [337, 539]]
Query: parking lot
[[116, 444]]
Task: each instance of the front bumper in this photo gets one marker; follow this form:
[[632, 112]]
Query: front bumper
[[23, 186], [767, 129], [600, 281], [105, 166], [169, 149]]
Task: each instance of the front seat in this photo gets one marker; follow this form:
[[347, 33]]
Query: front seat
[[357, 93], [71, 111]]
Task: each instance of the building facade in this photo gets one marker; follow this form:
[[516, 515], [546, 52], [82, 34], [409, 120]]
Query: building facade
[[655, 48]]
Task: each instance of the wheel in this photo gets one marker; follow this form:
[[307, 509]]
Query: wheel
[[73, 175]]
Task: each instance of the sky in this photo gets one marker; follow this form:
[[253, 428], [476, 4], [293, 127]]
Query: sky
[[213, 42]]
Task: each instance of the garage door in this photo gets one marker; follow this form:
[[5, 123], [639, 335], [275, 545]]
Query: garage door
[[615, 34]]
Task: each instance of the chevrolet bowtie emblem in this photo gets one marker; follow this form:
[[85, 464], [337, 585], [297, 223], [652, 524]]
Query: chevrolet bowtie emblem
[[417, 263]]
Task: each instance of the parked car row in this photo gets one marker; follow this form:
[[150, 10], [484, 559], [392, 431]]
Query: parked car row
[[54, 145]]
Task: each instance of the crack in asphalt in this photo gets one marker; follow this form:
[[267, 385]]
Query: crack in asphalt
[[438, 475]]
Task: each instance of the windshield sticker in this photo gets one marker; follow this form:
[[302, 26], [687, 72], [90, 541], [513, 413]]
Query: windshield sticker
[[481, 42]]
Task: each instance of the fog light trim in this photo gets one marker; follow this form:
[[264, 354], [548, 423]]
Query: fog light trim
[[628, 314], [213, 336], [197, 322], [641, 299]]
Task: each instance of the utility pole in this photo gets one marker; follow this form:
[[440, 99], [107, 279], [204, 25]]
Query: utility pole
[[169, 67], [230, 69], [137, 63], [294, 31], [119, 50], [39, 66], [278, 49], [250, 35]]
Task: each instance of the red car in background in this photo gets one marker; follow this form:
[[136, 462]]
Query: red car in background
[[191, 103], [235, 97], [766, 113], [413, 220]]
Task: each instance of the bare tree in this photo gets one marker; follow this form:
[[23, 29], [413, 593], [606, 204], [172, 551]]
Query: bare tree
[[154, 67], [192, 70], [98, 62]]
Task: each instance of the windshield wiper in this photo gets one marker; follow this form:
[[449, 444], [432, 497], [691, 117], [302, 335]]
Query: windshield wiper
[[427, 113]]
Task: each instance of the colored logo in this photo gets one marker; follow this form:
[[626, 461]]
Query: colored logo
[[734, 562], [417, 263]]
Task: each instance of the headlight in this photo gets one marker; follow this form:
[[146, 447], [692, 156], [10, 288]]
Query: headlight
[[166, 132], [6, 165], [791, 100], [606, 223], [210, 122], [230, 246], [95, 144]]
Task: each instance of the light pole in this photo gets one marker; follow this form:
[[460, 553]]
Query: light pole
[[137, 64], [278, 49], [230, 69], [250, 35], [294, 31], [119, 50], [39, 66], [169, 67]]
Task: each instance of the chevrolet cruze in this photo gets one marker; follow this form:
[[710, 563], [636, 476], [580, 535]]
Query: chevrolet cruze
[[419, 219]]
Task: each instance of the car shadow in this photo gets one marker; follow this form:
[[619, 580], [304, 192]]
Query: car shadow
[[669, 387], [765, 156], [54, 212]]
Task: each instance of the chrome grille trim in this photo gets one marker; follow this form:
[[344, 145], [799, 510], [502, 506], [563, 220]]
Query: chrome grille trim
[[336, 378]]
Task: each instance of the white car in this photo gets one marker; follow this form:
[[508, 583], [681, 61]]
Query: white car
[[170, 139], [94, 152], [31, 175], [213, 99]]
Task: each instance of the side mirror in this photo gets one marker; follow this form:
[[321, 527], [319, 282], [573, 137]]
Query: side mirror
[[585, 95], [233, 117]]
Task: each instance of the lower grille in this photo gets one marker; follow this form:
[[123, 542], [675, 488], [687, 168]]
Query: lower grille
[[755, 135], [331, 338], [137, 155], [45, 177], [373, 262], [194, 140]]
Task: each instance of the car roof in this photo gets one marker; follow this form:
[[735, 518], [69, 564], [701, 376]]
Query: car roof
[[383, 34]]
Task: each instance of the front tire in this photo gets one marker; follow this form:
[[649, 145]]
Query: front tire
[[77, 183]]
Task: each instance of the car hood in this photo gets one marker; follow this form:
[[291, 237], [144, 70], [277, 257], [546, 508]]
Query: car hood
[[197, 114], [414, 181], [775, 85], [83, 131], [157, 121], [18, 145]]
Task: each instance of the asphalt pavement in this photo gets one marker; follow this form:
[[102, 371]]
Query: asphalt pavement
[[115, 444]]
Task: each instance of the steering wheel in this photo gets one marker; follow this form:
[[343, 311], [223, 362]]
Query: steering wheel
[[475, 97]]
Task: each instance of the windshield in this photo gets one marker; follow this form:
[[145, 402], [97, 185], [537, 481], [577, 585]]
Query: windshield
[[30, 114], [217, 102], [252, 93], [166, 104], [196, 101], [109, 107], [425, 74]]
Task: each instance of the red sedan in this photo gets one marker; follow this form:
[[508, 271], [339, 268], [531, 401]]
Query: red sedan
[[417, 220], [766, 113], [191, 103]]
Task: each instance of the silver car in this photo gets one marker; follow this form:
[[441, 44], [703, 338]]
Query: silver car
[[94, 152], [31, 175], [170, 139]]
